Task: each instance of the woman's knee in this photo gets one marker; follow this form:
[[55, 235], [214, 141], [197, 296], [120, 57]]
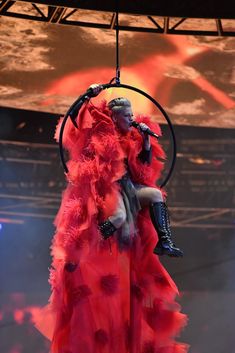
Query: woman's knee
[[156, 196], [148, 195]]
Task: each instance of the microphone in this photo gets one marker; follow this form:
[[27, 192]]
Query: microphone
[[147, 131]]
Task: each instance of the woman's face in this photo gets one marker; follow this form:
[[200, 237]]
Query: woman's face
[[123, 119]]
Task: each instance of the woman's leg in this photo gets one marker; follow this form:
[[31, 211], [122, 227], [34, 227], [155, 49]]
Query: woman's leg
[[152, 198], [115, 221], [148, 195], [119, 217]]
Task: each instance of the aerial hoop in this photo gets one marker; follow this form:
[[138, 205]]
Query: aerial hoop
[[76, 106]]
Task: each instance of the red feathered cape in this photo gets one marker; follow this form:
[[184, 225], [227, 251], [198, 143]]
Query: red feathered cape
[[113, 301]]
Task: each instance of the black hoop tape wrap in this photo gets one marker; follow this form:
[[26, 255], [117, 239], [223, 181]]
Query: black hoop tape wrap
[[88, 94]]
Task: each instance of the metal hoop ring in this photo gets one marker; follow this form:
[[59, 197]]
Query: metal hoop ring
[[79, 102]]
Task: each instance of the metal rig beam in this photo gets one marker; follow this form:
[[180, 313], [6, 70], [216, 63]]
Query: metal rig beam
[[156, 18]]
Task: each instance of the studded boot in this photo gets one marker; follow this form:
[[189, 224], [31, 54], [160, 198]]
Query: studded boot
[[107, 229], [161, 221]]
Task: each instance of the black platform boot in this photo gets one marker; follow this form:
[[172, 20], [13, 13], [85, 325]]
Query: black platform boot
[[107, 229], [160, 219]]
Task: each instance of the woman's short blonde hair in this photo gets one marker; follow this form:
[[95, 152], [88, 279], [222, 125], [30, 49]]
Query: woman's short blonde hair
[[116, 105]]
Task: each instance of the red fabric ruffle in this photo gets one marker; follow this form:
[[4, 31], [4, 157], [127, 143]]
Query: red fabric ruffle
[[103, 299]]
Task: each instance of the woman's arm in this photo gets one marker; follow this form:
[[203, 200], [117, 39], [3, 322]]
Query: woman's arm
[[146, 154]]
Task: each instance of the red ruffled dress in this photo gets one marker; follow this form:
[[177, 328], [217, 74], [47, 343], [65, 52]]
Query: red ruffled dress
[[105, 299]]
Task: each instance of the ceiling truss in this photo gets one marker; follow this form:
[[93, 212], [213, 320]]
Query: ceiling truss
[[22, 207], [33, 182], [45, 12]]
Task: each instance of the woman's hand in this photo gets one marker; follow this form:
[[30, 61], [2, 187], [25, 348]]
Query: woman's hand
[[96, 89], [142, 128]]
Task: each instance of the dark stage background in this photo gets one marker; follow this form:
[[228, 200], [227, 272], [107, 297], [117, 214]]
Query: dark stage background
[[201, 198], [43, 69]]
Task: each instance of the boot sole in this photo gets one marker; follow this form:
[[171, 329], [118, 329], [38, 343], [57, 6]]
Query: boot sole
[[161, 252]]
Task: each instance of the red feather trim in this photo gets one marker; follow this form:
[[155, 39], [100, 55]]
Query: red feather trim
[[103, 299]]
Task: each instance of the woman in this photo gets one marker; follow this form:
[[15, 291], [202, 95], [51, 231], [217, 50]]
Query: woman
[[122, 116], [109, 291]]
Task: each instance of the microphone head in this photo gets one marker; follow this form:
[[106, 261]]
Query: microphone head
[[134, 123]]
